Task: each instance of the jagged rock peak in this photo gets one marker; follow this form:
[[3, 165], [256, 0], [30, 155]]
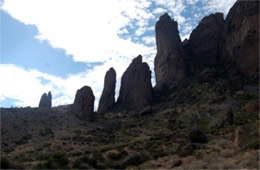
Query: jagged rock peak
[[137, 60], [169, 61], [107, 100], [136, 88], [165, 17], [206, 19], [45, 100], [83, 105]]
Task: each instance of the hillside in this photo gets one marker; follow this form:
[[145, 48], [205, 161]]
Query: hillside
[[203, 112]]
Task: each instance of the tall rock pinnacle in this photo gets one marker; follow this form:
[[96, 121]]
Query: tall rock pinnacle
[[45, 100], [136, 87], [107, 100], [83, 105], [169, 62]]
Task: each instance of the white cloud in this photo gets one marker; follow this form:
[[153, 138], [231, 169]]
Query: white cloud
[[159, 11], [149, 40], [191, 2], [88, 30], [212, 6], [174, 8]]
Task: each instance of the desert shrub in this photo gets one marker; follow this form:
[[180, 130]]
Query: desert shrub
[[57, 160], [75, 154], [23, 140], [92, 160], [118, 154], [45, 132], [42, 156]]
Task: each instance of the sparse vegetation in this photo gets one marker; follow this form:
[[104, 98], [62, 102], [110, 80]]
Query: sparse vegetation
[[23, 140]]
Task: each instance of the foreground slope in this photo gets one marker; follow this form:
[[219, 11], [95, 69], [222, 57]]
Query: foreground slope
[[55, 138]]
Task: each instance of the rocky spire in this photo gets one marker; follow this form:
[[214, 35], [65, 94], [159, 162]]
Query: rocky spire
[[169, 62], [107, 100], [83, 105], [136, 87], [45, 100]]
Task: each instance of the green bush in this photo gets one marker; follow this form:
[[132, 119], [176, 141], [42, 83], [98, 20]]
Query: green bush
[[23, 140], [55, 161]]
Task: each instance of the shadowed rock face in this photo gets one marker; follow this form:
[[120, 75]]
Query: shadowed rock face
[[241, 41], [83, 105], [136, 87], [169, 65], [205, 42], [107, 100], [45, 100]]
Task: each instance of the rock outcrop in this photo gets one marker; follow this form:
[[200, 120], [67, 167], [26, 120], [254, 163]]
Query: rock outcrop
[[136, 88], [241, 41], [107, 100], [204, 45], [45, 101], [169, 64], [83, 105]]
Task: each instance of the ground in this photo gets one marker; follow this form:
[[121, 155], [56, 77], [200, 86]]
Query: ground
[[54, 138]]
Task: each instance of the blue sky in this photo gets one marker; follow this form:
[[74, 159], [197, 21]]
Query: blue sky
[[62, 45]]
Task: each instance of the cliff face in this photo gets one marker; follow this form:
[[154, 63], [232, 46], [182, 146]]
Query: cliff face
[[205, 42], [241, 41], [232, 44], [169, 64]]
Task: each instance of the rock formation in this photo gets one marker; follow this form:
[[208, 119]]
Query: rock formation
[[204, 45], [84, 104], [169, 64], [45, 100], [107, 100], [241, 41], [136, 87]]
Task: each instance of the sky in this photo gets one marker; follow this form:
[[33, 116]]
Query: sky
[[63, 45]]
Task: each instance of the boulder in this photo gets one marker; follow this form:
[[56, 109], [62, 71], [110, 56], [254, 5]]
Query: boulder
[[169, 64], [176, 163], [45, 101], [83, 105], [136, 88], [197, 136], [205, 41], [107, 100], [134, 159], [241, 42]]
